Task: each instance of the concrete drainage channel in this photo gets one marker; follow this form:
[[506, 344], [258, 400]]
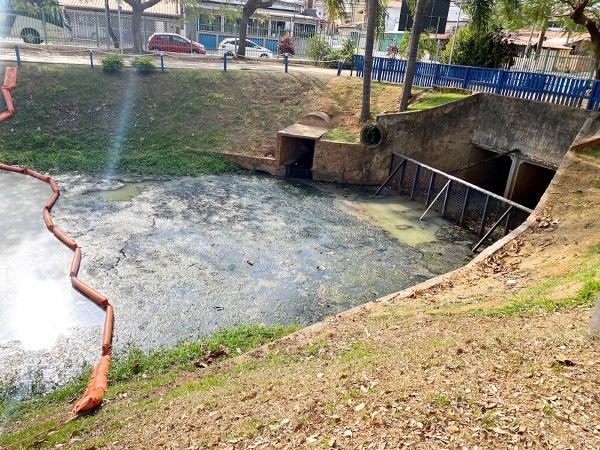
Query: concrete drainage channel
[[219, 251]]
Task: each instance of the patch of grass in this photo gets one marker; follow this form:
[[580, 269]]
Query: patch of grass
[[431, 100], [593, 151], [586, 296], [237, 340], [176, 123], [145, 371], [342, 135]]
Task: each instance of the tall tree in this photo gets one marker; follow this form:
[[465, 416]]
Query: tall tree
[[415, 33], [138, 7], [249, 8], [365, 111]]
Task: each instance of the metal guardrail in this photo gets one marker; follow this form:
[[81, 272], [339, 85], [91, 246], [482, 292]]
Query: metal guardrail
[[483, 212]]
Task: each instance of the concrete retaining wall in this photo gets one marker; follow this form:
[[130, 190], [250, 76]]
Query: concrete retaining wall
[[349, 163], [440, 137], [542, 131]]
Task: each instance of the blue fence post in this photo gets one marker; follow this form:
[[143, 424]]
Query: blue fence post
[[285, 62], [436, 75], [162, 62], [501, 74], [92, 59], [224, 62], [352, 64], [379, 64], [340, 66], [540, 90], [466, 80], [18, 54]]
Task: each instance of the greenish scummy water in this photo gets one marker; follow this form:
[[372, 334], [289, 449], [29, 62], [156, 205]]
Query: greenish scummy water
[[124, 193]]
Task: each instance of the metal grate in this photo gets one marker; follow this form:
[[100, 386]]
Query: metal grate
[[481, 211]]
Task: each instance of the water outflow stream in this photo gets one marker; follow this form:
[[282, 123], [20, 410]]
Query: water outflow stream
[[182, 258]]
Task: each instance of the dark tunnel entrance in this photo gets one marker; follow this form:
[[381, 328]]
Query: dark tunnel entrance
[[491, 171], [530, 184], [300, 153]]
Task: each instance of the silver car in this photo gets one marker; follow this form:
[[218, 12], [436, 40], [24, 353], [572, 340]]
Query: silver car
[[229, 47]]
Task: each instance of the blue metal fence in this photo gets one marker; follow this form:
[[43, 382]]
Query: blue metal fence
[[543, 87]]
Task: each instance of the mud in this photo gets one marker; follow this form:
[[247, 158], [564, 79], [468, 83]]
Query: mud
[[186, 257]]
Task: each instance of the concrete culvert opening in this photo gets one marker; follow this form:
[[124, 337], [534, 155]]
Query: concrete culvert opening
[[530, 183], [490, 170], [304, 153]]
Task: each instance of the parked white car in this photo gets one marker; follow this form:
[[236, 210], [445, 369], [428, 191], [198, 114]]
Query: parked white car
[[229, 47]]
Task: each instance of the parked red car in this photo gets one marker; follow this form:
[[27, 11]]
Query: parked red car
[[171, 42]]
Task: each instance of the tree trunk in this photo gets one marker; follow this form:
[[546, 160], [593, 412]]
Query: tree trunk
[[578, 16], [365, 112], [249, 8], [241, 50], [111, 33], [542, 38], [136, 28], [138, 7], [415, 33]]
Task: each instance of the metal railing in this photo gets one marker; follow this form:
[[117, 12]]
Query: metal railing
[[480, 211], [561, 90]]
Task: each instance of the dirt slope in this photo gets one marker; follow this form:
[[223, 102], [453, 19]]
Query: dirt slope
[[494, 355]]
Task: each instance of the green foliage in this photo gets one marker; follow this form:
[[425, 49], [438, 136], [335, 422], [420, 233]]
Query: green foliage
[[486, 48], [238, 340], [317, 48], [286, 45], [426, 45], [343, 54], [320, 51], [143, 64], [112, 63]]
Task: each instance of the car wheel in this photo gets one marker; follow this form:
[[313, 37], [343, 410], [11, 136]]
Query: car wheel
[[230, 54], [264, 55], [155, 49], [30, 36], [195, 51]]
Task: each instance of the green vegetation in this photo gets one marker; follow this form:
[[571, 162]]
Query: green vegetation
[[143, 64], [112, 63], [433, 99], [177, 123], [485, 48], [158, 365], [320, 51]]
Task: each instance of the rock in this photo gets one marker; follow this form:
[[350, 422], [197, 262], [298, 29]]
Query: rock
[[594, 325]]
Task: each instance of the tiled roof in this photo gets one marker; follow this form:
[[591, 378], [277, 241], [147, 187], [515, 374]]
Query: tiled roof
[[163, 8]]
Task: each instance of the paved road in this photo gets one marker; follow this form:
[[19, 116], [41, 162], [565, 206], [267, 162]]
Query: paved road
[[40, 54]]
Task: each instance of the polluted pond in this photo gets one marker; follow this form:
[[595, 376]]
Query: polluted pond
[[180, 259]]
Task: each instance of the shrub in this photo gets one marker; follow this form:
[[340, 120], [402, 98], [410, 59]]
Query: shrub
[[486, 48], [345, 53], [318, 49], [112, 63], [143, 64], [286, 45]]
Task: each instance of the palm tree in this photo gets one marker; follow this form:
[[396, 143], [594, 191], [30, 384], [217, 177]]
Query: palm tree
[[415, 33], [365, 111]]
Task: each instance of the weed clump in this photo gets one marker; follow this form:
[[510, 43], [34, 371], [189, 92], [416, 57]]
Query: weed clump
[[143, 64], [112, 63]]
